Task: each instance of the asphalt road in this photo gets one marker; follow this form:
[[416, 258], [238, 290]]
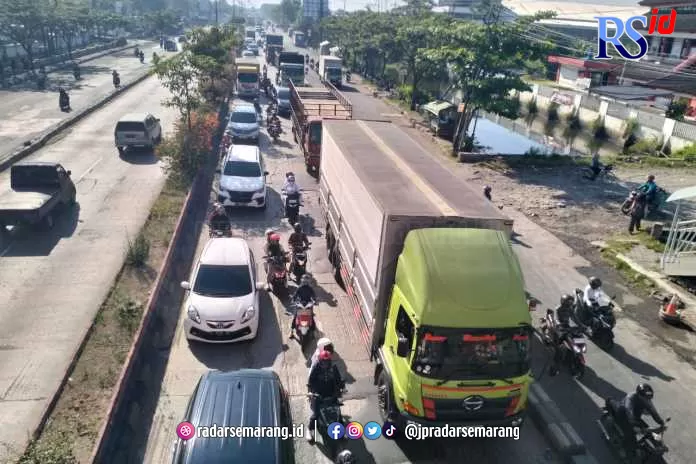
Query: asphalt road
[[26, 112], [552, 268], [273, 349], [53, 282]]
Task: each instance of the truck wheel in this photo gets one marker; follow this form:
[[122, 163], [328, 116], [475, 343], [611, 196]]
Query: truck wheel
[[384, 397]]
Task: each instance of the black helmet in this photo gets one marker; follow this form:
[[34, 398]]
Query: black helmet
[[645, 391], [487, 188], [595, 283], [345, 457], [566, 300], [297, 227]]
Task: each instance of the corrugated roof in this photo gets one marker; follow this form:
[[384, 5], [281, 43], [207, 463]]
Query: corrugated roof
[[573, 11], [629, 92]]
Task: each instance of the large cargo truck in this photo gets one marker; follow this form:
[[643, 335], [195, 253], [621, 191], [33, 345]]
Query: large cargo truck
[[248, 81], [250, 33], [331, 70], [309, 107], [435, 283], [324, 48], [300, 39], [274, 45], [292, 69]]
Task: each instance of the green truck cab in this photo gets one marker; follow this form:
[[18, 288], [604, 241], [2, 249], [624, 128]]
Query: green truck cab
[[456, 340]]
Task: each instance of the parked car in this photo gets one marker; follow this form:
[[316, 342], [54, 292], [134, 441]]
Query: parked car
[[137, 130], [282, 97], [244, 124], [222, 304], [243, 178], [37, 191], [241, 398]]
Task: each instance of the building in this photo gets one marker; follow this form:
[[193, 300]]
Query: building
[[467, 9], [583, 74], [315, 9]]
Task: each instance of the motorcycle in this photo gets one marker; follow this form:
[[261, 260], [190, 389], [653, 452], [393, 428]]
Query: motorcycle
[[328, 412], [298, 262], [277, 274], [141, 55], [605, 170], [573, 346], [274, 130], [304, 321], [292, 206], [650, 446], [597, 322], [271, 110], [137, 52], [64, 103], [117, 81], [217, 230], [653, 207], [76, 74]]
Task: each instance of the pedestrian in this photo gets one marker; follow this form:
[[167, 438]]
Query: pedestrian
[[487, 192], [637, 212]]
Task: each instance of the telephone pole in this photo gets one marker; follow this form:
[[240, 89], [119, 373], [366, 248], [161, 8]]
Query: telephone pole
[[216, 13]]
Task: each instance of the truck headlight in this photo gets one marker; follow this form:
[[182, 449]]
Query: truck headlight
[[248, 314], [193, 315]]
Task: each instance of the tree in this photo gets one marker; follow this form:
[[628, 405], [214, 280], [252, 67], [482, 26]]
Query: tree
[[71, 18], [22, 21], [212, 55], [162, 22], [179, 76]]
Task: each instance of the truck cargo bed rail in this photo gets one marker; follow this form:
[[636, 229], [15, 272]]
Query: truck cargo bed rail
[[325, 101]]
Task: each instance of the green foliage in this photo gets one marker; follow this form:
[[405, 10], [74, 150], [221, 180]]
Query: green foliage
[[598, 129], [162, 22], [631, 126], [56, 451], [677, 109], [573, 126], [179, 75], [212, 56], [645, 147], [552, 115], [138, 251], [688, 153]]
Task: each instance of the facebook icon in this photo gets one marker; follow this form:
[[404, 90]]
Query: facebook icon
[[336, 430]]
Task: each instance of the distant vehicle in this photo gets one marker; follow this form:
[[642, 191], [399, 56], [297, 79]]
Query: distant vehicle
[[253, 48], [182, 39], [282, 96], [244, 123], [170, 46], [242, 178], [138, 130], [37, 191], [223, 302], [248, 54]]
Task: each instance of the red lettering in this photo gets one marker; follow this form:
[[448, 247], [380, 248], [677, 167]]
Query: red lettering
[[663, 24]]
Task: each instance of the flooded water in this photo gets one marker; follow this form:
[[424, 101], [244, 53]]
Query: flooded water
[[506, 137]]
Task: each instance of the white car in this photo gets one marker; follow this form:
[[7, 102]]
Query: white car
[[248, 54], [242, 178], [222, 305]]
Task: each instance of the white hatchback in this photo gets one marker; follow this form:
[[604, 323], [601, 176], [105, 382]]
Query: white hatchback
[[242, 178], [222, 305]]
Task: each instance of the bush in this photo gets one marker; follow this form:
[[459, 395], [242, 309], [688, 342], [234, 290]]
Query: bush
[[645, 147], [138, 251], [405, 92], [552, 113], [532, 108], [392, 75], [121, 42], [630, 127], [598, 130], [677, 109], [688, 153], [186, 151]]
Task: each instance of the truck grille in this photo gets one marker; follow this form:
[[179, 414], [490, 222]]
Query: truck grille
[[450, 410]]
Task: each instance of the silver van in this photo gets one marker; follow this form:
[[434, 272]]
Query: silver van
[[137, 130]]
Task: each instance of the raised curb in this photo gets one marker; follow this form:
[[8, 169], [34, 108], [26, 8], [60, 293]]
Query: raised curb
[[46, 136]]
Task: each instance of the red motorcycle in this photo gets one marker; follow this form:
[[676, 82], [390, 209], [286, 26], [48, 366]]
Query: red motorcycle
[[304, 321], [276, 273]]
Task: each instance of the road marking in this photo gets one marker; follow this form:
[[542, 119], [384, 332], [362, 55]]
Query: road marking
[[434, 197], [94, 165]]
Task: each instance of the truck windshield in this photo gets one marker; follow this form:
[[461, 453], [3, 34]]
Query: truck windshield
[[248, 78], [472, 354], [283, 95], [335, 72], [315, 134]]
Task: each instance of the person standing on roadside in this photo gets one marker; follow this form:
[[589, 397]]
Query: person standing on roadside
[[637, 212]]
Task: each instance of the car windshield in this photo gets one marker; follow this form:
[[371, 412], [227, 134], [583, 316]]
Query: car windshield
[[242, 169], [222, 281], [284, 94], [248, 78], [128, 126], [472, 354], [243, 117]]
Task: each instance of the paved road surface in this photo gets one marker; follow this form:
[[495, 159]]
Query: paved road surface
[[552, 268], [273, 349], [53, 283], [25, 112]]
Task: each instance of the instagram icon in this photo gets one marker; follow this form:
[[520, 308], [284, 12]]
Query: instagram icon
[[354, 430]]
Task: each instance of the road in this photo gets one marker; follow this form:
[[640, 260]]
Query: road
[[273, 349], [52, 283], [26, 112], [552, 268]]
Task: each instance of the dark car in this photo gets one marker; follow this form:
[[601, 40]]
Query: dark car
[[170, 46], [282, 97], [242, 398]]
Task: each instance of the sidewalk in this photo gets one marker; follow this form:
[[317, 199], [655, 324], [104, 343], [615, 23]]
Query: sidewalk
[[25, 113]]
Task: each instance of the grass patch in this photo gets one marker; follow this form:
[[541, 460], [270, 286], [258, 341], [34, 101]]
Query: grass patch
[[619, 245], [653, 161], [71, 431], [502, 163]]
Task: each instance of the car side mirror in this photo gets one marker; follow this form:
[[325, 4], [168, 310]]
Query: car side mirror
[[402, 348], [68, 173], [265, 173], [157, 119], [186, 285]]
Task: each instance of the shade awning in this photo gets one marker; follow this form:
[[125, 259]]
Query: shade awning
[[683, 194]]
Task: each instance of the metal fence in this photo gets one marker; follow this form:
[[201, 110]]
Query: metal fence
[[654, 121], [590, 102], [619, 111], [684, 130]]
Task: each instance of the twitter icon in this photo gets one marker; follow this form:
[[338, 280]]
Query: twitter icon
[[373, 431]]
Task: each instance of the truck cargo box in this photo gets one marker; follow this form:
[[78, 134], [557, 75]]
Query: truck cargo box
[[377, 184]]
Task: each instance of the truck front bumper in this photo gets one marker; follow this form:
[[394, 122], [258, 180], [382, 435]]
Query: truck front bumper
[[510, 421]]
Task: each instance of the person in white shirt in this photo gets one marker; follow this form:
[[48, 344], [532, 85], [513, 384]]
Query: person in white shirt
[[592, 292], [290, 185]]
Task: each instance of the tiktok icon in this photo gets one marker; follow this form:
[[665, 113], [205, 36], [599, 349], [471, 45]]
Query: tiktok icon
[[389, 431]]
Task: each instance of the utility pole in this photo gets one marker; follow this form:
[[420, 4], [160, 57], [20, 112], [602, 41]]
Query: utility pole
[[216, 13]]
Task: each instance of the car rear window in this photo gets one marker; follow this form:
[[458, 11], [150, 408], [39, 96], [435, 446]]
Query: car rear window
[[242, 169], [34, 176], [243, 117], [222, 281], [130, 126]]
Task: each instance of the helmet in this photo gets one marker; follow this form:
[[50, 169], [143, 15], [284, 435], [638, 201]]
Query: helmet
[[274, 238], [345, 457], [291, 178], [487, 188], [305, 280], [297, 227], [268, 233], [566, 300], [324, 342], [651, 177], [324, 355], [595, 283], [643, 390]]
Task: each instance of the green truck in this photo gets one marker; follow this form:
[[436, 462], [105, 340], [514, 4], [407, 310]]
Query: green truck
[[434, 281]]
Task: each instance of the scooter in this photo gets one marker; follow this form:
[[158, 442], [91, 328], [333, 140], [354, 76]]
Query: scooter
[[328, 412], [277, 274], [298, 262], [651, 208], [304, 321], [274, 131], [650, 445], [64, 103], [599, 326], [574, 345], [292, 206], [117, 81]]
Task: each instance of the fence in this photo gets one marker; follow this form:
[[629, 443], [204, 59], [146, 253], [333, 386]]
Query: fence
[[677, 134]]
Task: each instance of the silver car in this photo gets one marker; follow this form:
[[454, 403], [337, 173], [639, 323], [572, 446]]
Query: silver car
[[282, 96], [244, 123]]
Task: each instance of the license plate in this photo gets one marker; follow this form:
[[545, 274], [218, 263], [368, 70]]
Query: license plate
[[579, 341], [221, 334], [292, 204]]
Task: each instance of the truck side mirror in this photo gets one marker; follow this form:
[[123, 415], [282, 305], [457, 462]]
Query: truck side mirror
[[402, 347]]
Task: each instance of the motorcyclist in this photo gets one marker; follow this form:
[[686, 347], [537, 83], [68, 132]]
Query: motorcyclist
[[629, 411], [274, 122], [141, 55], [116, 78], [274, 249], [290, 185], [649, 188], [298, 239], [345, 457], [218, 218], [265, 71], [560, 329], [63, 98], [487, 192], [592, 292], [303, 295], [137, 51], [324, 344], [326, 382]]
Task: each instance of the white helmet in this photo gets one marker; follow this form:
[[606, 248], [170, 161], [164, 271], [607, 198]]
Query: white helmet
[[268, 232], [323, 342]]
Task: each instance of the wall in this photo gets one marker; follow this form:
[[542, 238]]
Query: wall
[[590, 107]]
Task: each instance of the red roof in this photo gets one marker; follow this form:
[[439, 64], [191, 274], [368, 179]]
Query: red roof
[[581, 63]]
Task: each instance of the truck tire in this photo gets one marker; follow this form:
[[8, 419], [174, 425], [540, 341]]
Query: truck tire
[[385, 400]]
